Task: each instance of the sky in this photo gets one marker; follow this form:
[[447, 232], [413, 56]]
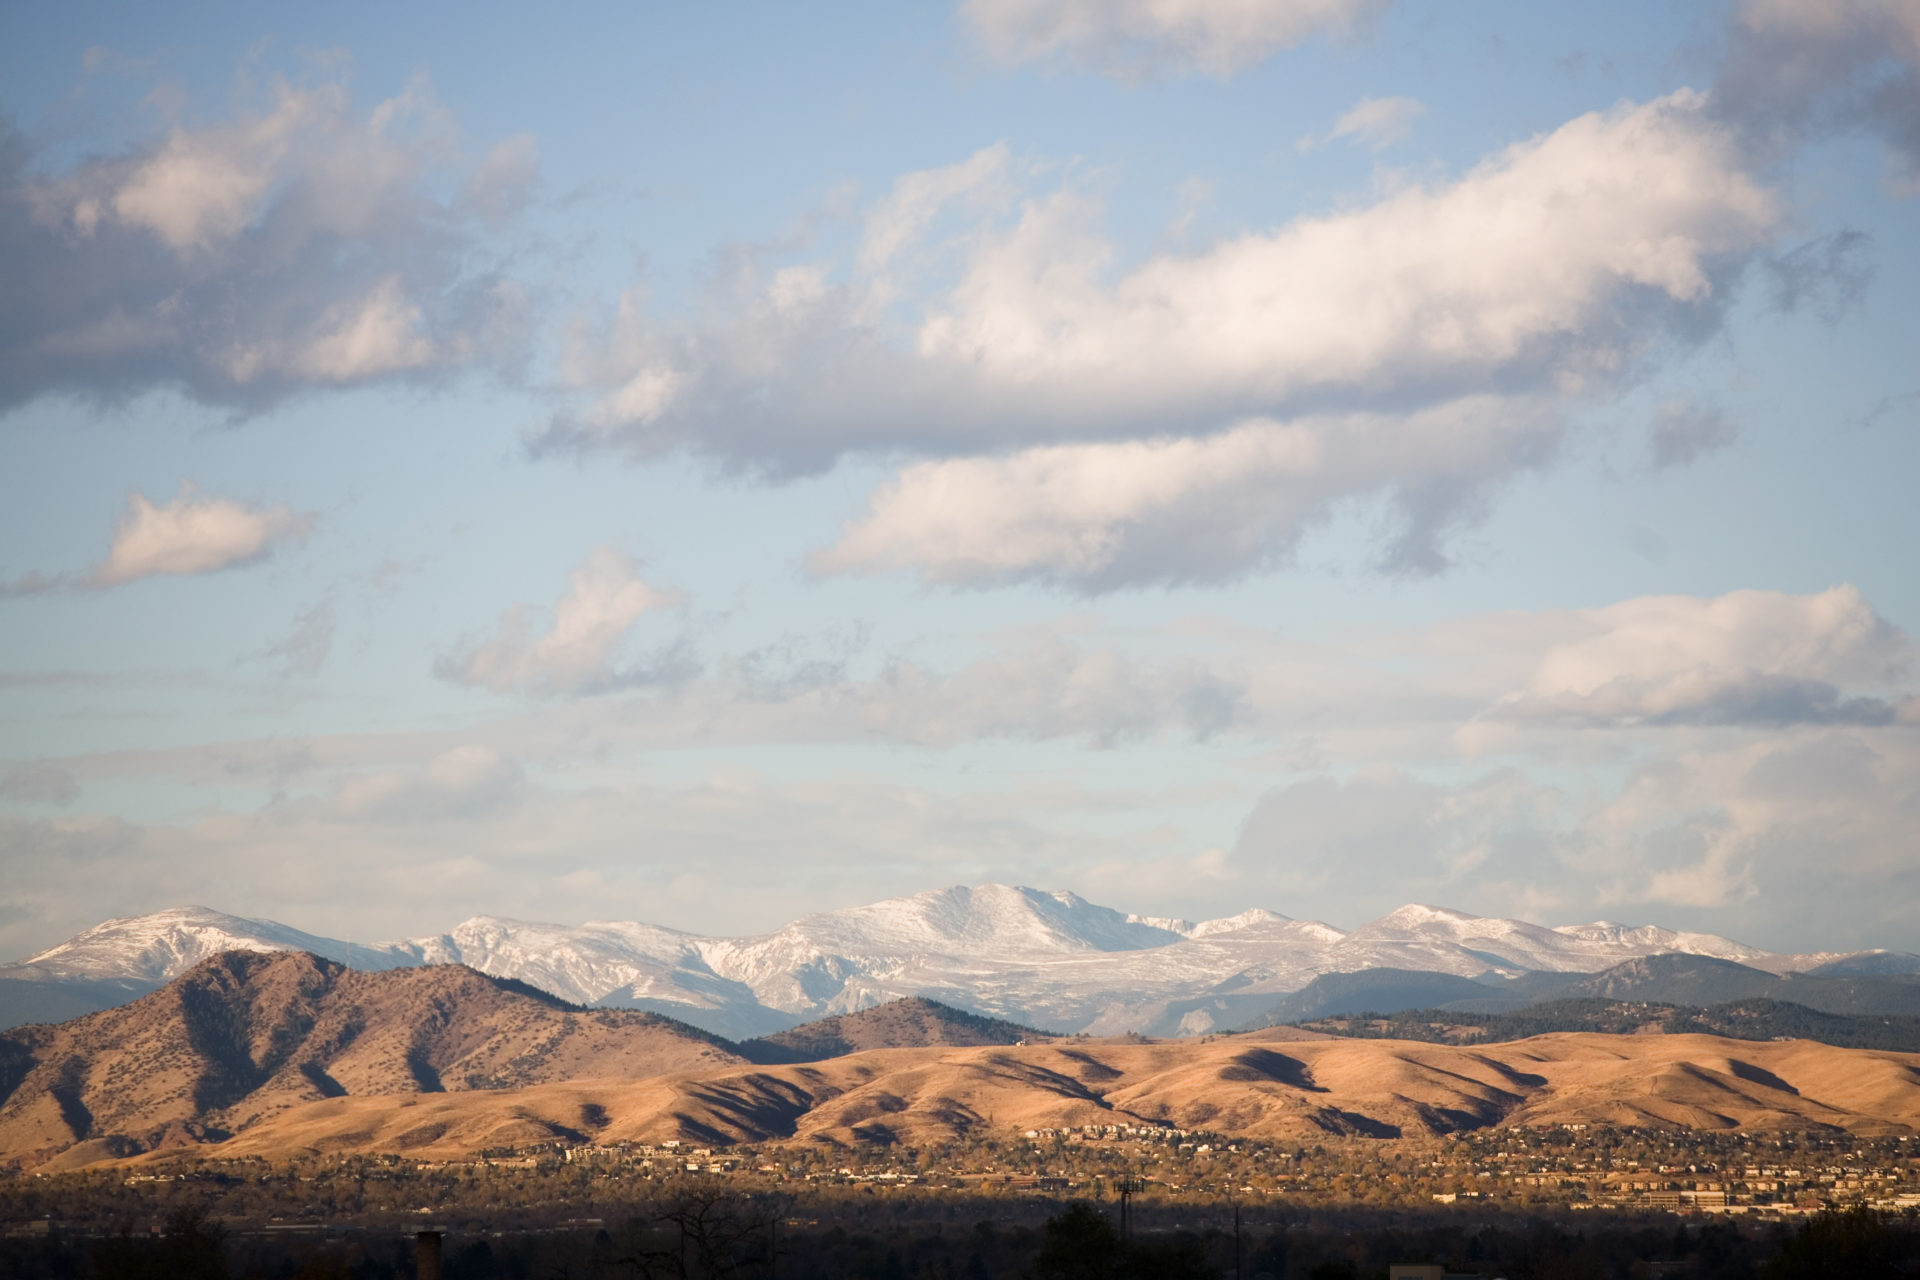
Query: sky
[[703, 464]]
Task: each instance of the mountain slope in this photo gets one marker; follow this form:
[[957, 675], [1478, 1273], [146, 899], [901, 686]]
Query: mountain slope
[[245, 1035]]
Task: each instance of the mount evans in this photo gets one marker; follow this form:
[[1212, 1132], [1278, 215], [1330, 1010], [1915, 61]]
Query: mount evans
[[1044, 958]]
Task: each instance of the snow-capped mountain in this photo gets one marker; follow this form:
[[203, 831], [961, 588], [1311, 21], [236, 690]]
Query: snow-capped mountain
[[156, 948], [1044, 958]]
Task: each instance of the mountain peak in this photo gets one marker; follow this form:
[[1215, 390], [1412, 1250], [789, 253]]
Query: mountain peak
[[1415, 914]]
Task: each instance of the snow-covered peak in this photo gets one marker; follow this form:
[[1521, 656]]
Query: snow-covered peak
[[577, 962], [1417, 915], [1245, 920], [982, 919], [165, 944]]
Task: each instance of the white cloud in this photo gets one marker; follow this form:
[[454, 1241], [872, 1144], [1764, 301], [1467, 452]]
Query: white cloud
[[194, 535], [1130, 37], [1096, 516], [1747, 657], [1551, 244], [1556, 267], [1376, 122], [465, 782], [918, 197], [578, 653], [299, 243], [366, 337], [198, 188]]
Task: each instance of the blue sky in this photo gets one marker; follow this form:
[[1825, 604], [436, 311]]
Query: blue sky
[[705, 463]]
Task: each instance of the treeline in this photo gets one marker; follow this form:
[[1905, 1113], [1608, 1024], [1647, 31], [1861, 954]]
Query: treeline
[[1740, 1020], [705, 1239]]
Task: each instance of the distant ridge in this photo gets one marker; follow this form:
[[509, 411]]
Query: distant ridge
[[1685, 981], [1371, 990], [912, 1023], [1758, 1019], [1030, 956]]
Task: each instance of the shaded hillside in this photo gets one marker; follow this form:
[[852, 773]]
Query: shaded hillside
[[1877, 987], [1672, 979], [1372, 990], [1758, 1019], [912, 1023], [1703, 980], [1870, 964], [1305, 1091], [245, 1035]]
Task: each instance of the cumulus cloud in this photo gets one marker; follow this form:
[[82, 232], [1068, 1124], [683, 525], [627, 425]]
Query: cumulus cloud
[[1375, 122], [1555, 266], [299, 244], [1745, 658], [1551, 265], [578, 653], [194, 535], [1135, 37], [1796, 65], [1098, 516], [190, 535]]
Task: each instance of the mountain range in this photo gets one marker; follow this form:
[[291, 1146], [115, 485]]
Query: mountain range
[[285, 1054], [1039, 958]]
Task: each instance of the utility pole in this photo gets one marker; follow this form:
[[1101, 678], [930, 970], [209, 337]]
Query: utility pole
[[1237, 1273], [1127, 1187]]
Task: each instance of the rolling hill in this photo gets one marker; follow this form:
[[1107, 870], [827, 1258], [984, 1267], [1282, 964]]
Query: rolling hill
[[1302, 1091]]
